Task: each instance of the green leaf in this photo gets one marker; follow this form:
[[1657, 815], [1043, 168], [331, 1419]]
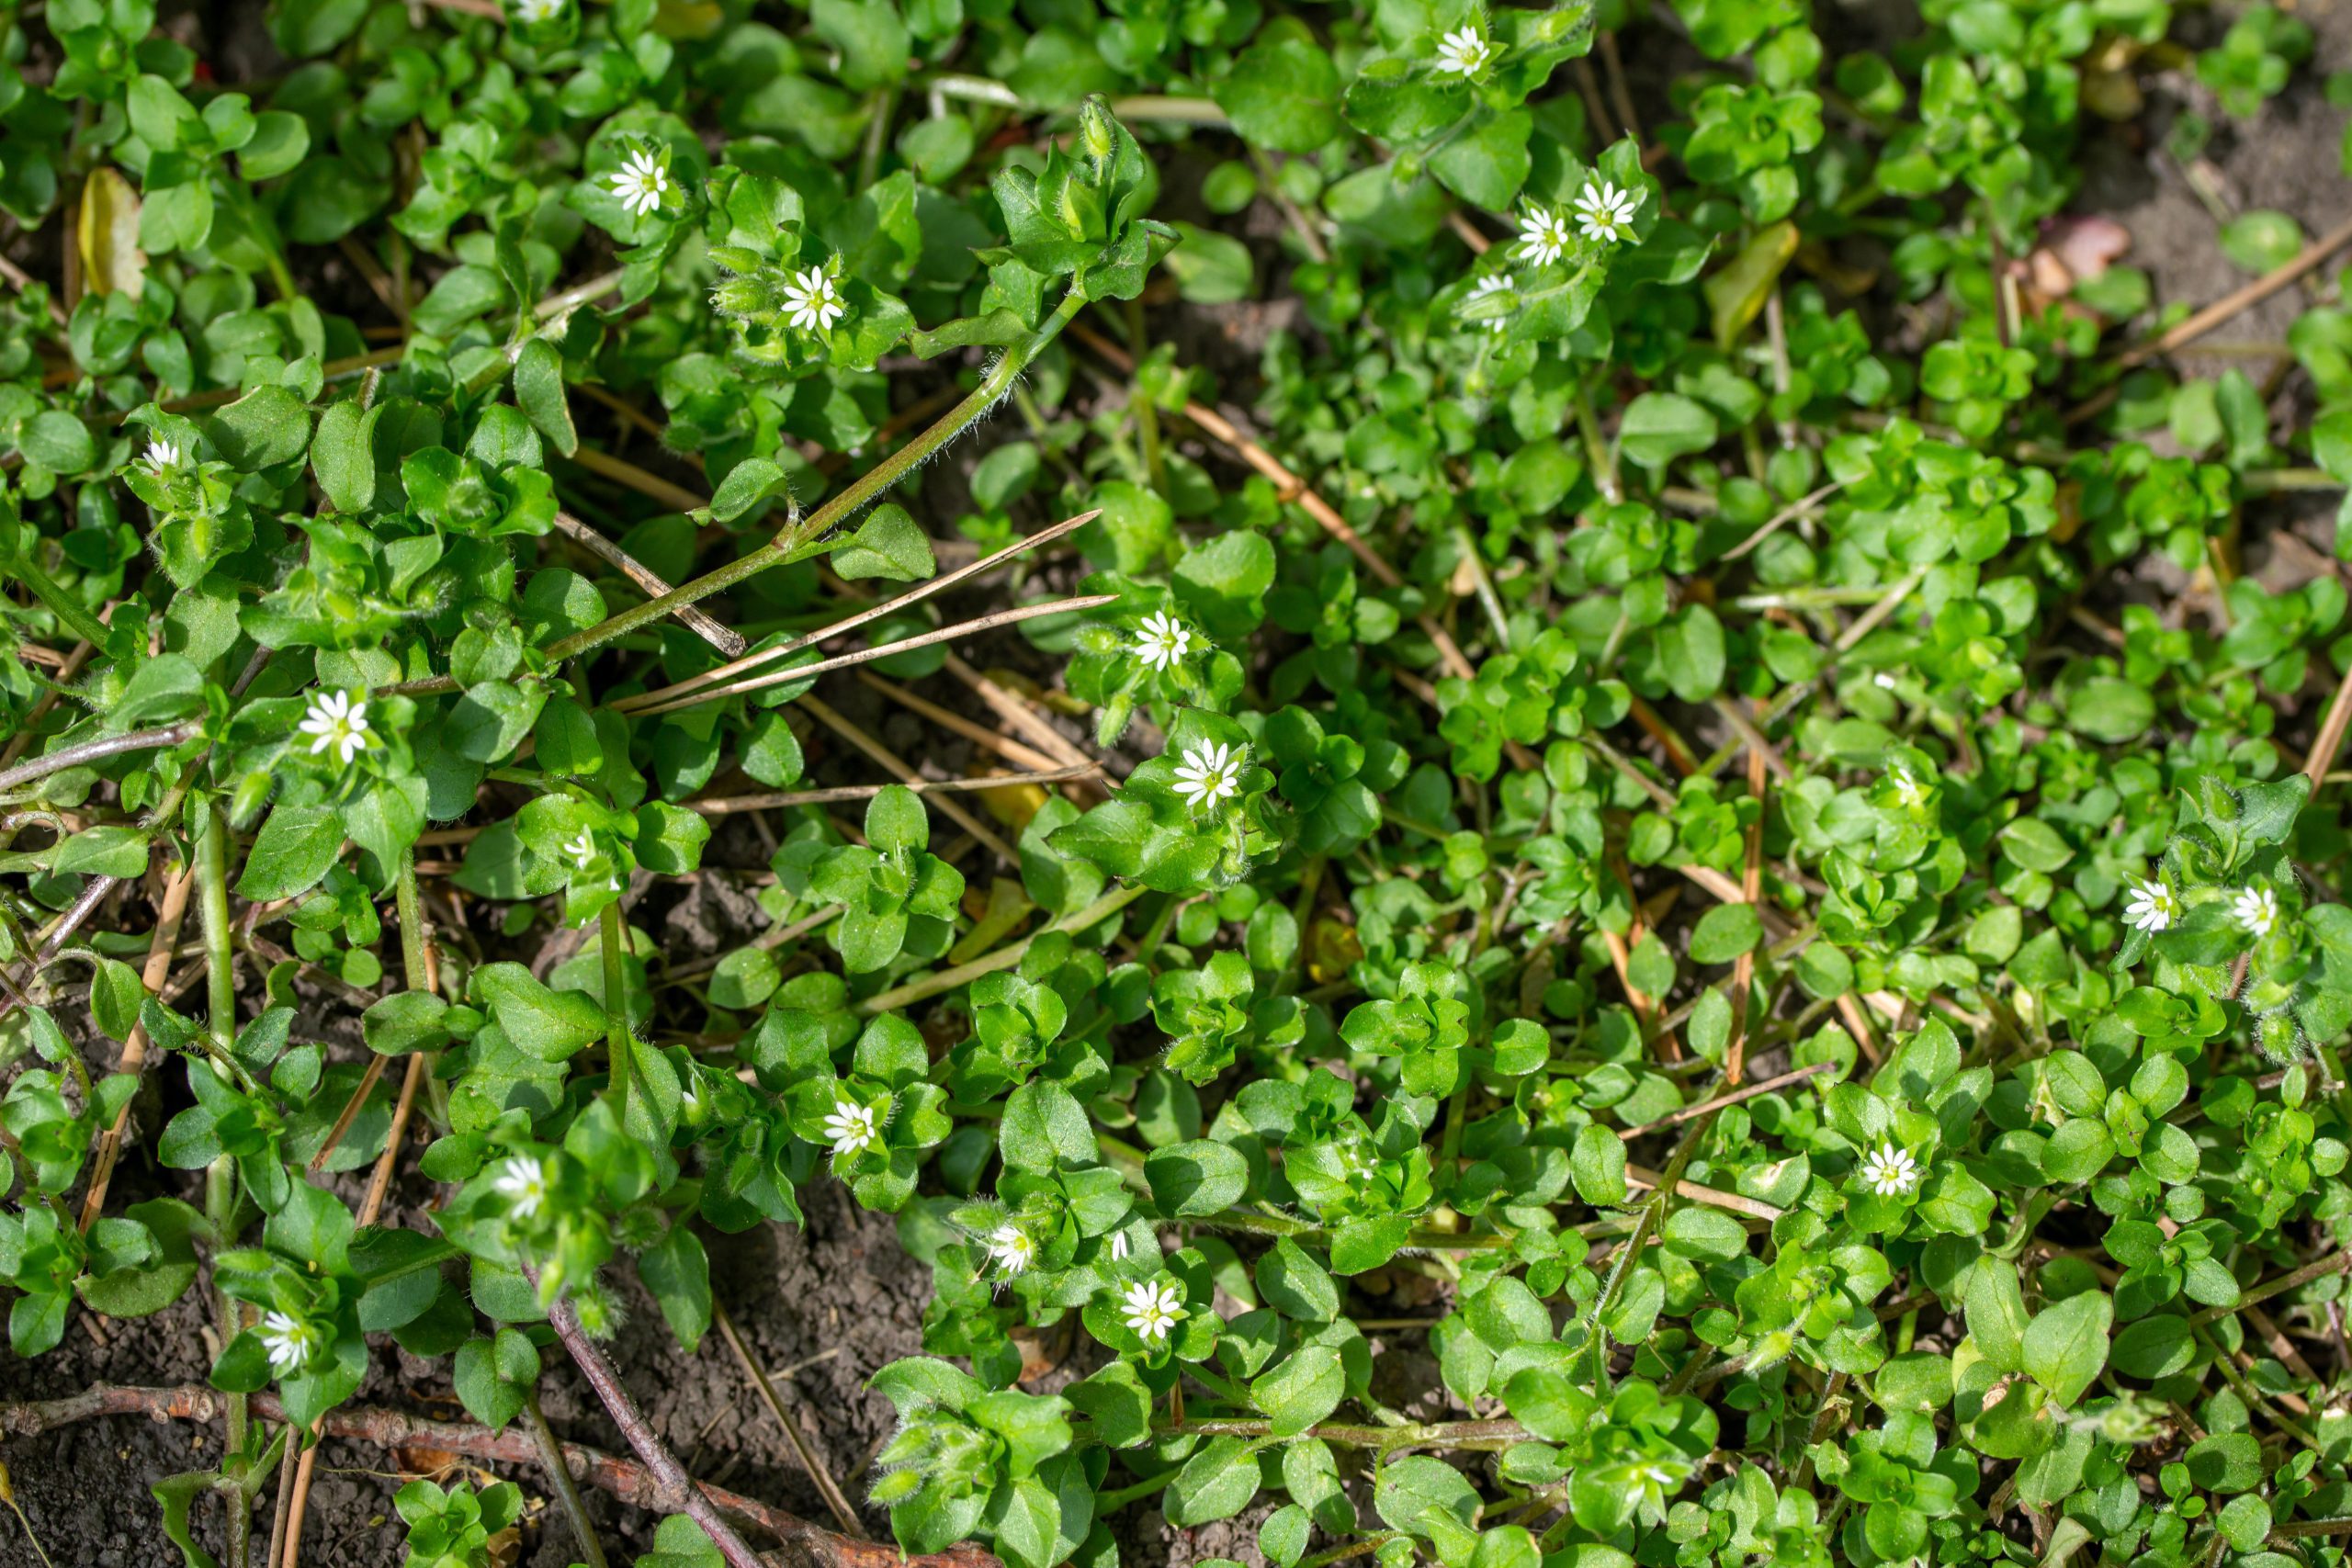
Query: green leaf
[[1215, 1484], [1197, 1177], [1283, 91], [1661, 427], [343, 454], [291, 852], [538, 388], [886, 544], [1295, 1285], [1304, 1388], [1725, 933], [2065, 1345], [264, 428], [546, 1024]]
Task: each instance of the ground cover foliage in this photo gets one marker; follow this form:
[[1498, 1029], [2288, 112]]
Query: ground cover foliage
[[1625, 703]]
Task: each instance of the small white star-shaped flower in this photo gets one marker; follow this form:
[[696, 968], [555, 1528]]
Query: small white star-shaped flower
[[852, 1129], [1909, 789], [2151, 908], [811, 302], [531, 13], [581, 849], [1605, 213], [640, 182], [1151, 1308], [1485, 289], [2255, 909], [1209, 773], [524, 1184], [1465, 52], [290, 1341], [1119, 1246], [338, 724], [162, 457], [1543, 235], [1012, 1247], [1887, 1170], [1162, 639]]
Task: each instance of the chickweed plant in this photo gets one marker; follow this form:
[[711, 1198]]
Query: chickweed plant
[[1631, 723]]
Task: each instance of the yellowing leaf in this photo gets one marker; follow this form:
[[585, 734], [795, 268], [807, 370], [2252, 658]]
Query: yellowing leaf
[[112, 261], [1738, 293]]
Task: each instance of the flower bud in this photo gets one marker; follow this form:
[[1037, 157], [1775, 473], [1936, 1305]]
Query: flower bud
[[1096, 129]]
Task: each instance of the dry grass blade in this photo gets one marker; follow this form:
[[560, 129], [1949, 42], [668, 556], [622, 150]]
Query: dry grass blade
[[908, 776], [727, 805], [1011, 750], [914, 595], [867, 655]]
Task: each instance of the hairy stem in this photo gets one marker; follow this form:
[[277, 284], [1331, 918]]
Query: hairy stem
[[96, 750], [47, 589]]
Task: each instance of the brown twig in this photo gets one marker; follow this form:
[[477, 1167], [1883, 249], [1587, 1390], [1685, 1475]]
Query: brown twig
[[674, 1491], [635, 1484], [97, 751], [728, 642], [844, 1514], [2330, 739], [168, 919]]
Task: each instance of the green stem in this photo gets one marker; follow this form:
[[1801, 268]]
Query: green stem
[[411, 919], [220, 1209], [48, 590], [1003, 958], [213, 910], [1490, 1436], [1155, 462], [1596, 452], [612, 933]]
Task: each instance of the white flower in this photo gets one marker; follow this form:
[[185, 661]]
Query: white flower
[[1012, 1247], [1909, 789], [1605, 213], [162, 457], [533, 11], [335, 723], [1887, 1170], [850, 1127], [1543, 235], [581, 848], [2255, 909], [1151, 1308], [1209, 773], [1487, 287], [811, 302], [640, 182], [523, 1182], [290, 1341], [2151, 908], [1162, 639], [1464, 53], [1119, 1246]]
